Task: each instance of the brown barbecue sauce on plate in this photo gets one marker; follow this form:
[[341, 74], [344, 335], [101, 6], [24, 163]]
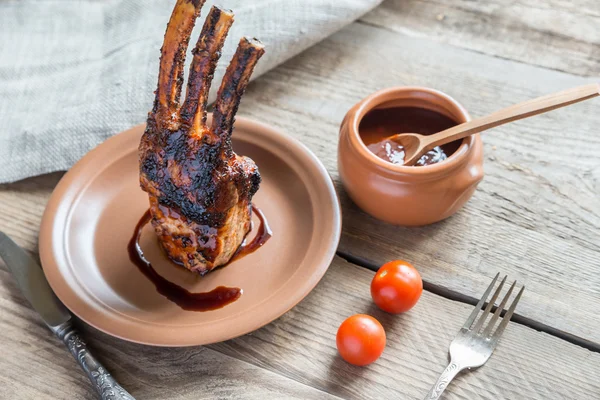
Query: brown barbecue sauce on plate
[[206, 301], [263, 234], [379, 124]]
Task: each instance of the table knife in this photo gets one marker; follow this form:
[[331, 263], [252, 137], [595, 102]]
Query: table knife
[[37, 291]]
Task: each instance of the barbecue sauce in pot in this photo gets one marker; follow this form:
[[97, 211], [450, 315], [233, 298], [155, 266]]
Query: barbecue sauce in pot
[[206, 301], [379, 124]]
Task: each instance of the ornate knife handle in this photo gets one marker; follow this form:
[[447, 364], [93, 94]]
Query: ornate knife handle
[[105, 385]]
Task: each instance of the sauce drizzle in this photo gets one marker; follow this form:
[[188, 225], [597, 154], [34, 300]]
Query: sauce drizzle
[[205, 301], [262, 236]]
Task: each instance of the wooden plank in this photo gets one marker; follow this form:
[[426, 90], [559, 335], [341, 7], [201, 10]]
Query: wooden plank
[[35, 365], [535, 216], [556, 34], [295, 357], [301, 344]]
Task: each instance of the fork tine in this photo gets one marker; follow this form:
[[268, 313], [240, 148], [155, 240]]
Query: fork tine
[[491, 303], [507, 316], [490, 326], [473, 315]]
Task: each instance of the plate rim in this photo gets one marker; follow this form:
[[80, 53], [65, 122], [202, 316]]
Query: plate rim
[[74, 300]]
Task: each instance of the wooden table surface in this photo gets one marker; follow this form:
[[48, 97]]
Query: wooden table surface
[[535, 217]]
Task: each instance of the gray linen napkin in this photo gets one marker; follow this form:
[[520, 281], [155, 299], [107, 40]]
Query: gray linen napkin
[[73, 73]]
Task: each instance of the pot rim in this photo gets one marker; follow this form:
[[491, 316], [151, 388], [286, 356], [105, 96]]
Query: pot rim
[[456, 159]]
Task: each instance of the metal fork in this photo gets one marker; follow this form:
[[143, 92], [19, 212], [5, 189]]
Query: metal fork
[[474, 344]]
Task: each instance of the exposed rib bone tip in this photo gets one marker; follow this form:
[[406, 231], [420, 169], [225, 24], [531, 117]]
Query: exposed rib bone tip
[[221, 10], [253, 41]]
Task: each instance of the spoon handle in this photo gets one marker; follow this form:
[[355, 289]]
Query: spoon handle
[[513, 113]]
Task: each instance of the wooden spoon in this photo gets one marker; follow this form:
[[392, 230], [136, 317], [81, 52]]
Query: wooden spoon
[[415, 145]]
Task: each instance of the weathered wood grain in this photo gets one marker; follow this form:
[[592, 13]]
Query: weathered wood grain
[[526, 364], [300, 346], [35, 365], [555, 34], [295, 357], [535, 216]]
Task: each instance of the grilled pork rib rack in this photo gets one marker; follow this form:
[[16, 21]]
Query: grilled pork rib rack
[[200, 190]]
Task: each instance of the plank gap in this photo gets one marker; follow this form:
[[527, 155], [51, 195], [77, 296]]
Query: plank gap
[[463, 298]]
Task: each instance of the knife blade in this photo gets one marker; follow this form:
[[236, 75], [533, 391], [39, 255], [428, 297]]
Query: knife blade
[[34, 286], [32, 282]]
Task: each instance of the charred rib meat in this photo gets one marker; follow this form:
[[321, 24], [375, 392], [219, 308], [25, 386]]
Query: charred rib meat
[[200, 191]]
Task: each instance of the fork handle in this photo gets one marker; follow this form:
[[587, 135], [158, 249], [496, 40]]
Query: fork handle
[[449, 373]]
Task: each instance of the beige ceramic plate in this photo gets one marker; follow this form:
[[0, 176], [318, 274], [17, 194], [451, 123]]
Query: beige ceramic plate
[[95, 207]]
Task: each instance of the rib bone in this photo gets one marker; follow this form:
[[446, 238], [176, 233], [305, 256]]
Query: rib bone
[[200, 191], [206, 55]]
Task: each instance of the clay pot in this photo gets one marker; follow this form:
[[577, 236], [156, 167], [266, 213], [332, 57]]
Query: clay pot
[[408, 195]]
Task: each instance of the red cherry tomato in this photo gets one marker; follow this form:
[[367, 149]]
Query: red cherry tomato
[[396, 287], [360, 339]]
